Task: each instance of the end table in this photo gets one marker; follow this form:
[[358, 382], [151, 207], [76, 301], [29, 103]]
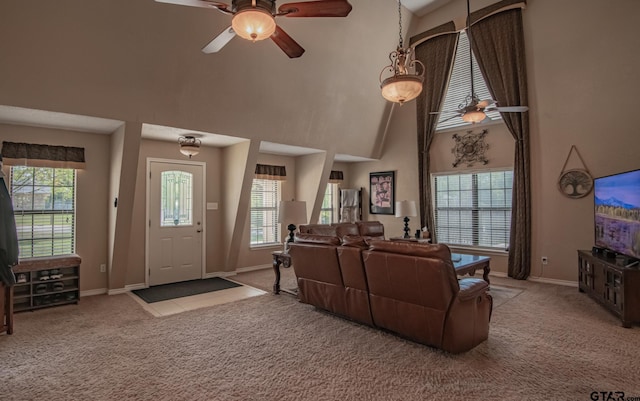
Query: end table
[[284, 259]]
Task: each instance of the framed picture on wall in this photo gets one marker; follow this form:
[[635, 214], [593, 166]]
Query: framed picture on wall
[[382, 192]]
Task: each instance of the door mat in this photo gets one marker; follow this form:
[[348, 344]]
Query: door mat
[[183, 289]]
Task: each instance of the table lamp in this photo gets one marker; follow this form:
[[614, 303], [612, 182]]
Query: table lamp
[[292, 212], [406, 208]]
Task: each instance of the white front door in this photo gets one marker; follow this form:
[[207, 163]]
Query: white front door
[[175, 209]]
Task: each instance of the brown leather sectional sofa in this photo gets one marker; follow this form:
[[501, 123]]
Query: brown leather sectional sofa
[[365, 229], [407, 288]]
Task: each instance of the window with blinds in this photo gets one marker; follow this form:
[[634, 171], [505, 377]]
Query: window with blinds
[[474, 209], [44, 208], [329, 209], [265, 197], [460, 87]]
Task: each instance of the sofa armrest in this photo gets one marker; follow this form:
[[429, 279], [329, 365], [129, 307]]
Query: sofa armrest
[[470, 288]]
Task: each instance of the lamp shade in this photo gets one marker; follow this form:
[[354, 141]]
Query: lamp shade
[[292, 212], [406, 208]]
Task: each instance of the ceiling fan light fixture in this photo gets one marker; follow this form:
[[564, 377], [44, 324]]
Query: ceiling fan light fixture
[[253, 24], [405, 83], [474, 116], [189, 145]]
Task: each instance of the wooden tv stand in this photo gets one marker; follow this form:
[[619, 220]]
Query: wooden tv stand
[[613, 282]]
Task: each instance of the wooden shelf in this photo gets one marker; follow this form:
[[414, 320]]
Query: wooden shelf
[[35, 293], [612, 283]]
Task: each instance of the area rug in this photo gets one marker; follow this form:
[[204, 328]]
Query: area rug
[[183, 289], [502, 294]]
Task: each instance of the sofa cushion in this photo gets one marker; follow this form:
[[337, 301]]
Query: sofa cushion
[[320, 229], [355, 241], [370, 229], [343, 229], [439, 251], [317, 239]]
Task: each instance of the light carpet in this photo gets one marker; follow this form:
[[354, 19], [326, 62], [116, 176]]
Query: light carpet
[[546, 343]]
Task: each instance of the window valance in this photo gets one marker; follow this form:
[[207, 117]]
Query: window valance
[[461, 23], [268, 172], [34, 155], [336, 177]]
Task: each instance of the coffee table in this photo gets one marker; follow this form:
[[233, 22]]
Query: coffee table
[[468, 264]]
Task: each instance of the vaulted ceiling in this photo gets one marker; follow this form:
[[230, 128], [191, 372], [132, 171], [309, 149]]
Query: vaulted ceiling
[[140, 61]]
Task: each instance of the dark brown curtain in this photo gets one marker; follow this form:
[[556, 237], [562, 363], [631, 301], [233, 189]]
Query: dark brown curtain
[[28, 154], [336, 177], [437, 56], [268, 172], [498, 45]]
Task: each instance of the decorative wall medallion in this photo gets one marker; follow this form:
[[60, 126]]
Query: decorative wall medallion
[[575, 183], [470, 148]]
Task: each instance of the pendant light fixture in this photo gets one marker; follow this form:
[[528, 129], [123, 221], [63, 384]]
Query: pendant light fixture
[[189, 145], [406, 83]]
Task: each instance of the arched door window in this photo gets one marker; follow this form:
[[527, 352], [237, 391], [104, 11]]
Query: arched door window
[[176, 208]]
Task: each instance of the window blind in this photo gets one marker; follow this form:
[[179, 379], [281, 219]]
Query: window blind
[[460, 87], [44, 210], [329, 209], [474, 209], [265, 197]]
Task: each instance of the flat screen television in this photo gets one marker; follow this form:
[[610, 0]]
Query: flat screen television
[[617, 213]]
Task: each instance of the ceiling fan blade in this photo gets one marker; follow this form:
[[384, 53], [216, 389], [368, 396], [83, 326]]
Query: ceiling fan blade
[[219, 41], [509, 109], [448, 118], [286, 43], [484, 103], [322, 8], [197, 3]]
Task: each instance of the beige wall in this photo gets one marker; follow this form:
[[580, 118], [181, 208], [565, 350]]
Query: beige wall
[[150, 69], [92, 194], [582, 81], [213, 218], [577, 57]]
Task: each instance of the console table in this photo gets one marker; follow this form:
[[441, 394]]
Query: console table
[[284, 259], [613, 283], [468, 264], [412, 239]]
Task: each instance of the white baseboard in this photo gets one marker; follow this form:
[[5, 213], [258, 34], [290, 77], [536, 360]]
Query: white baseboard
[[219, 274], [97, 291], [132, 287], [117, 291], [252, 268], [565, 283], [540, 279]]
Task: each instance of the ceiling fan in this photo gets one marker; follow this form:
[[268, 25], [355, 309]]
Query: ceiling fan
[[255, 19], [473, 110]]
